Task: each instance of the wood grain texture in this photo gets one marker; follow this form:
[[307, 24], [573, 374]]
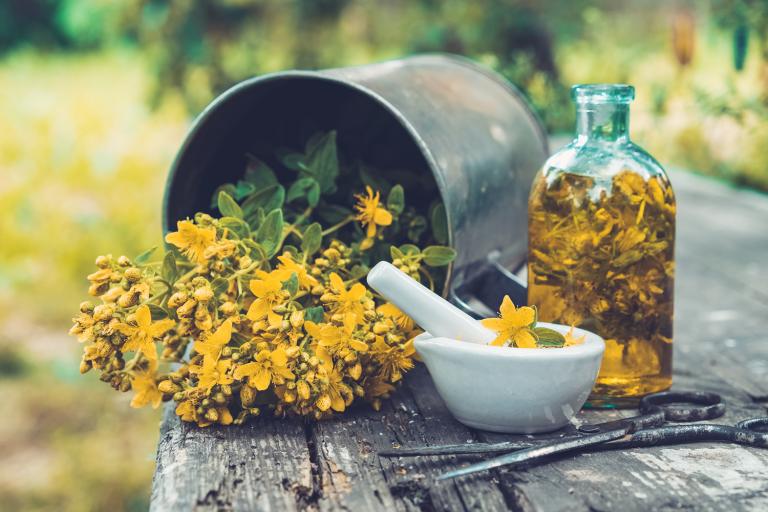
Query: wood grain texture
[[721, 307]]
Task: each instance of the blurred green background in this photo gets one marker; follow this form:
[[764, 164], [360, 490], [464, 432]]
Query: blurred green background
[[96, 96]]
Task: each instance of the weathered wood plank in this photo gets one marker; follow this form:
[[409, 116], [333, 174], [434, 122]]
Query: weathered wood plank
[[355, 478], [264, 465]]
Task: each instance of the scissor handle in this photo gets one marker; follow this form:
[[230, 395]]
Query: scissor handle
[[754, 424], [707, 405]]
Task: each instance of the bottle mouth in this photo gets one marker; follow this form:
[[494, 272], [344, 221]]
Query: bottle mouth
[[603, 93]]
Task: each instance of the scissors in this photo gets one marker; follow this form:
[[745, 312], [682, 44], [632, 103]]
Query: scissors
[[645, 429]]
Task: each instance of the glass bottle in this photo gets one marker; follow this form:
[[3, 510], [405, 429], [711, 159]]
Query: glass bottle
[[601, 246]]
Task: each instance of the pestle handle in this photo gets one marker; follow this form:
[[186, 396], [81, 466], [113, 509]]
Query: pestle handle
[[431, 312]]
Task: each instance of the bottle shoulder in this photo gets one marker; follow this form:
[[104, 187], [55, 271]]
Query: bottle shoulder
[[604, 160]]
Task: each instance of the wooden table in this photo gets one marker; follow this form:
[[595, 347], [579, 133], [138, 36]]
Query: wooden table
[[720, 345]]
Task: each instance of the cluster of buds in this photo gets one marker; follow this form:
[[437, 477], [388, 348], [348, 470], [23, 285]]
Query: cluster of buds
[[253, 323]]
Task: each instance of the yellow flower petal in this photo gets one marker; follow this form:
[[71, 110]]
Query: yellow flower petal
[[524, 339], [262, 379], [143, 316], [382, 217]]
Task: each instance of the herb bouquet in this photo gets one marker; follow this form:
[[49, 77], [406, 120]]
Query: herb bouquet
[[261, 307]]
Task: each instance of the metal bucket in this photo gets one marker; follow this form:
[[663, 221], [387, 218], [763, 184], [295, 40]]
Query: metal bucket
[[471, 129]]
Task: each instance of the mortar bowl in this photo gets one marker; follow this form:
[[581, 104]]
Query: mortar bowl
[[513, 390]]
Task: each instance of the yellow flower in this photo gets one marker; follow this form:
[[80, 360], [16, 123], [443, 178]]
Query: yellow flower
[[513, 326], [334, 338], [571, 339], [145, 389], [394, 360], [337, 395], [267, 367], [288, 266], [347, 302], [370, 213], [192, 239], [268, 293], [141, 337], [83, 327], [401, 319], [212, 372], [220, 250], [212, 346]]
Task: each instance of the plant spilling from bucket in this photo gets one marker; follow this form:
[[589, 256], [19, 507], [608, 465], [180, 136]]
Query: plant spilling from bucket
[[516, 327], [261, 307]]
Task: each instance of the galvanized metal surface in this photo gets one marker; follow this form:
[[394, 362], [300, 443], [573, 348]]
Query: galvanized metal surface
[[466, 125]]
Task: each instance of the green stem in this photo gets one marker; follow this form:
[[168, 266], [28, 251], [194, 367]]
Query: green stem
[[338, 225]]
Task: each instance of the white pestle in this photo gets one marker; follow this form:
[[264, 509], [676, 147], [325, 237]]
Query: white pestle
[[431, 312]]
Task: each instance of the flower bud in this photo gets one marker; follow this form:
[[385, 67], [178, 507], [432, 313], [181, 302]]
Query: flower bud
[[219, 398], [228, 308], [167, 387], [86, 306], [112, 294], [247, 396], [178, 397], [380, 327], [244, 262], [85, 366], [132, 274], [97, 289], [103, 312], [123, 261], [177, 299], [103, 261], [292, 352], [212, 415], [128, 299], [186, 309], [397, 262], [318, 290], [203, 294], [297, 319], [331, 254], [226, 389]]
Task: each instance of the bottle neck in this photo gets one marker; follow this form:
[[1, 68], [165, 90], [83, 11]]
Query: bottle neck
[[602, 122]]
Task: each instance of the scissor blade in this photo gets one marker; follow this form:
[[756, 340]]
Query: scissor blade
[[460, 449], [538, 452]]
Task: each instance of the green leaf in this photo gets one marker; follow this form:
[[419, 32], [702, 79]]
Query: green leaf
[[410, 250], [396, 200], [243, 189], [359, 271], [291, 285], [158, 312], [396, 253], [268, 199], [291, 160], [255, 218], [168, 270], [332, 213], [270, 232], [144, 257], [416, 228], [229, 188], [548, 337], [312, 239], [308, 188], [439, 221], [228, 206], [257, 252], [237, 226], [258, 173], [322, 161], [219, 286], [314, 314], [290, 249], [438, 255]]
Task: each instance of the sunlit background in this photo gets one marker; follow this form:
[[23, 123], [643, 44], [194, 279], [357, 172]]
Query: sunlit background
[[96, 96]]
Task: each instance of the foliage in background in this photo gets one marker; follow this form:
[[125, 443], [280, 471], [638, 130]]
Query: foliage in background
[[83, 153]]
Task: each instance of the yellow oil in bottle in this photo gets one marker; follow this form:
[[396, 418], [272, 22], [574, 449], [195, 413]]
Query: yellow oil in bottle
[[601, 257]]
